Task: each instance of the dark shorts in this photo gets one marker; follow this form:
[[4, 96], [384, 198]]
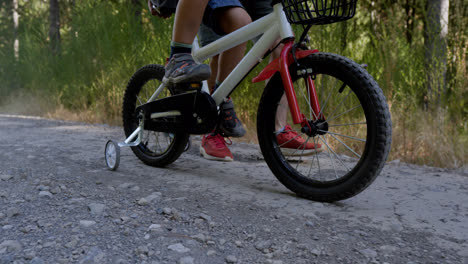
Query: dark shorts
[[208, 30]]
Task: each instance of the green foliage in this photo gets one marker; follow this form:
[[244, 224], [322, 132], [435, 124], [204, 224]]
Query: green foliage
[[103, 43]]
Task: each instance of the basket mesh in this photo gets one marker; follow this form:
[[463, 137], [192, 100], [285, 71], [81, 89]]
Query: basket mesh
[[318, 12]]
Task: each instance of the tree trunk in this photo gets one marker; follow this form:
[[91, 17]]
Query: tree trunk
[[15, 27], [344, 36], [137, 9], [410, 18], [435, 42], [54, 29]]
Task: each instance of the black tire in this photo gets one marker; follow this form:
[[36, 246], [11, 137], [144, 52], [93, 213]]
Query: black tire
[[139, 89], [365, 117]]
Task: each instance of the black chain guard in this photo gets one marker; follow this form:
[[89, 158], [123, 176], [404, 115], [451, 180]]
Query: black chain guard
[[198, 113]]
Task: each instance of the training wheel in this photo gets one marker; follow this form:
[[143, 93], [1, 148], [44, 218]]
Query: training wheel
[[112, 155]]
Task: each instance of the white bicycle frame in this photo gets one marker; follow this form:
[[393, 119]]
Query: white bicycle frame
[[270, 27]]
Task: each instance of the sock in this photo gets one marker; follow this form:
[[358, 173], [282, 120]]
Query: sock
[[177, 47]]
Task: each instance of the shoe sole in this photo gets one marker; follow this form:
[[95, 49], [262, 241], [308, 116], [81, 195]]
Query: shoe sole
[[185, 79], [209, 157]]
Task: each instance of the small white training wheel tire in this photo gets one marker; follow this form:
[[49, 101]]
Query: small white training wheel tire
[[112, 155]]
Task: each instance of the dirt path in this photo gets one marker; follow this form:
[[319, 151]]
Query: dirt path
[[59, 204]]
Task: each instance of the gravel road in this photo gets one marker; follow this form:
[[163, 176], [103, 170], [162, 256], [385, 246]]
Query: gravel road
[[59, 204]]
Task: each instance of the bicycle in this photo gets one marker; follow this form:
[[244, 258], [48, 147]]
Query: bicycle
[[346, 110]]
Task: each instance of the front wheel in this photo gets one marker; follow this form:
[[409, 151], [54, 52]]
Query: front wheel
[[353, 130]]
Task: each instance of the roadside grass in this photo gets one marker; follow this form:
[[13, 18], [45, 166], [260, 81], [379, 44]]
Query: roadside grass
[[418, 137]]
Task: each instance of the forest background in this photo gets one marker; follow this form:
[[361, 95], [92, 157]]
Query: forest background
[[72, 60]]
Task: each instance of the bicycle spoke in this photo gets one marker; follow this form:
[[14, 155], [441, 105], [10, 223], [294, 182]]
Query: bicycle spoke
[[318, 162], [290, 140], [334, 153], [332, 133], [326, 101], [303, 149], [146, 93], [157, 143], [312, 113], [342, 101], [349, 124], [335, 117], [344, 144], [332, 160], [141, 103]]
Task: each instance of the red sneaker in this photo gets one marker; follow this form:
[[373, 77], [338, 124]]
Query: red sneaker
[[292, 144], [214, 147]]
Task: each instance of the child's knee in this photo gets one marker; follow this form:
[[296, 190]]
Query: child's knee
[[232, 19]]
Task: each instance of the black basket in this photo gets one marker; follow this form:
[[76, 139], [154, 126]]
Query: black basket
[[318, 12]]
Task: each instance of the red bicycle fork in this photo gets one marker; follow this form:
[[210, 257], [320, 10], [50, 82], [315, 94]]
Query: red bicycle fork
[[282, 64]]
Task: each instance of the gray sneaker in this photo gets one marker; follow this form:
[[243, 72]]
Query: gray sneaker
[[230, 125], [181, 68]]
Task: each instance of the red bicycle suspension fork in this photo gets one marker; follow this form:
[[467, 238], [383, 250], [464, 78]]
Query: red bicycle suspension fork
[[284, 61]]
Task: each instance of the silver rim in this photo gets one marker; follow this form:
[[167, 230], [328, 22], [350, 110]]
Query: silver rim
[[156, 143], [111, 155], [342, 145]]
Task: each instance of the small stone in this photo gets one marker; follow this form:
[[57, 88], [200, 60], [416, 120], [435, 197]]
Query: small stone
[[276, 262], [5, 177], [37, 260], [96, 208], [388, 249], [186, 260], [71, 244], [28, 255], [155, 228], [142, 202], [125, 185], [315, 252], [396, 227], [10, 246], [10, 212], [310, 215], [205, 217], [87, 223], [43, 188], [154, 197], [7, 227], [238, 243], [142, 250], [135, 188], [231, 259], [94, 255], [45, 194], [263, 245], [210, 252], [369, 253], [178, 248], [199, 237], [55, 190], [166, 211]]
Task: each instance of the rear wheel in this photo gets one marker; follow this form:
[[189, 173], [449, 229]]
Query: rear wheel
[[354, 133], [156, 148]]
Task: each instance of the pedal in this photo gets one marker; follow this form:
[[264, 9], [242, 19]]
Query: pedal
[[187, 87]]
